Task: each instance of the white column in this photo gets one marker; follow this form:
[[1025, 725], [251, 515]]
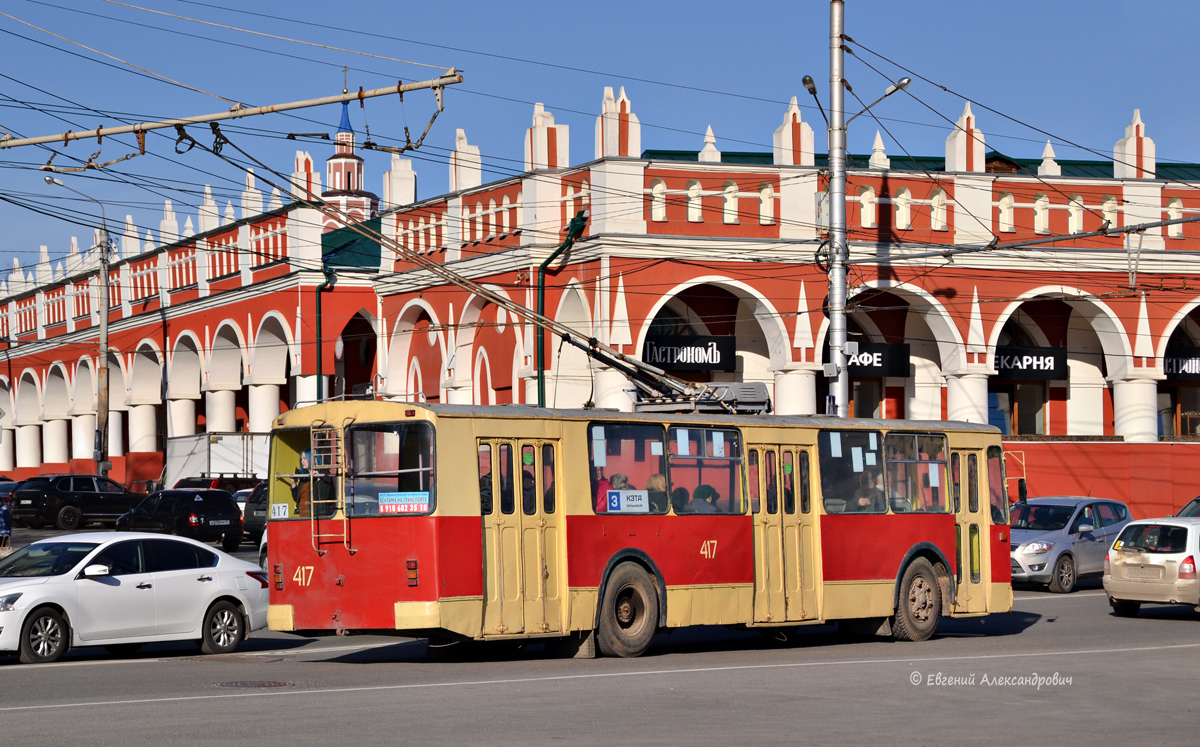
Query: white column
[[116, 433], [612, 390], [1135, 409], [83, 436], [264, 407], [181, 417], [925, 402], [54, 442], [220, 411], [460, 395], [8, 437], [796, 392], [966, 397], [306, 390], [143, 428], [29, 446]]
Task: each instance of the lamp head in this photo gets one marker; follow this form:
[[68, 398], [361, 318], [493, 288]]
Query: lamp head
[[52, 180], [809, 85], [899, 85]]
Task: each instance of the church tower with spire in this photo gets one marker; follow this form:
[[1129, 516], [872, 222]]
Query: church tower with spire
[[344, 177]]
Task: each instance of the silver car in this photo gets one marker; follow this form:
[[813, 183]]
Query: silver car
[[1056, 541]]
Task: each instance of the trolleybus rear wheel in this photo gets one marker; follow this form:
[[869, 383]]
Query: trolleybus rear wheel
[[920, 603], [629, 612]]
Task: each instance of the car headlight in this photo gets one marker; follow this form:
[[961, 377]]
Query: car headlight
[[8, 602], [1037, 548]]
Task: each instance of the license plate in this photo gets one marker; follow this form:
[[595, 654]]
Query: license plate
[[1150, 573], [219, 523], [26, 503], [261, 512]]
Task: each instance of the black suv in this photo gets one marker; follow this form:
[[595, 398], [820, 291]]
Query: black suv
[[230, 482], [256, 514], [70, 501], [204, 515]]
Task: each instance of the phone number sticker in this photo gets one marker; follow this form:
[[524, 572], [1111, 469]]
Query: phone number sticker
[[404, 503]]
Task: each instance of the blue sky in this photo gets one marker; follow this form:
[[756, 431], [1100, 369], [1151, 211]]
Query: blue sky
[[1071, 68]]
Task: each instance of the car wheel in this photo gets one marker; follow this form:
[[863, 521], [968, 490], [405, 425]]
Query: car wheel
[[44, 637], [69, 518], [1063, 579], [920, 603], [629, 616], [231, 540], [1125, 609], [123, 649], [224, 629]]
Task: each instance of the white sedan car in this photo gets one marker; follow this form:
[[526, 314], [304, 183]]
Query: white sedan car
[[121, 590]]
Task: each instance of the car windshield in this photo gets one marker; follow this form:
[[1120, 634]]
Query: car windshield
[[1191, 509], [1040, 518], [1162, 538], [44, 559]]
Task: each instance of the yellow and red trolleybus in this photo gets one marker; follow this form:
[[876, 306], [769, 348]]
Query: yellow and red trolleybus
[[603, 527]]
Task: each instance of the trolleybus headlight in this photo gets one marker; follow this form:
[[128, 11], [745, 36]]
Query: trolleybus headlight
[[1037, 548], [278, 574], [412, 572]]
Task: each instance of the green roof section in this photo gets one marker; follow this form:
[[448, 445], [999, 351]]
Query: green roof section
[[1179, 172], [346, 248]]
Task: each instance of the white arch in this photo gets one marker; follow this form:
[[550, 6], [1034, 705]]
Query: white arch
[[400, 347], [83, 386], [56, 395], [146, 376], [227, 357], [184, 369], [272, 350], [482, 364], [779, 345], [1179, 318], [28, 402], [945, 332], [1118, 354]]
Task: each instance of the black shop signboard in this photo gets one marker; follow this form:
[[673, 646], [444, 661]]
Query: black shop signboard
[[1042, 364], [684, 353], [1182, 364], [878, 359]]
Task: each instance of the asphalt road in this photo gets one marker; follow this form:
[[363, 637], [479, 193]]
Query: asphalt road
[[1102, 678]]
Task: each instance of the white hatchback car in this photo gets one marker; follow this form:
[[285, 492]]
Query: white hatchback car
[[122, 590], [1153, 561]]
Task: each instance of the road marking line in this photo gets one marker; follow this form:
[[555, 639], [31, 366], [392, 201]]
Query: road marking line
[[599, 675], [1061, 596]]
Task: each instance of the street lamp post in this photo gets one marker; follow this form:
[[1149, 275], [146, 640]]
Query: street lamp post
[[838, 250], [100, 454]]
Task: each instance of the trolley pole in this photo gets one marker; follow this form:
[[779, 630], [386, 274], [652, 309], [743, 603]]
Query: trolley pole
[[840, 383], [100, 453]]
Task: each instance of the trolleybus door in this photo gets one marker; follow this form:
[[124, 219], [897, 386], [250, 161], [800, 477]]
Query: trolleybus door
[[970, 527], [521, 537], [784, 550]]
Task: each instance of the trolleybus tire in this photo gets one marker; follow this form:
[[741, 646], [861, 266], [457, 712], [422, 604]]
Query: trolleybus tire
[[920, 603], [224, 629], [45, 637], [1125, 609], [628, 612]]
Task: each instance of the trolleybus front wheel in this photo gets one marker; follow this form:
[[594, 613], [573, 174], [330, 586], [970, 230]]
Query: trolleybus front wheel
[[629, 612], [920, 603]]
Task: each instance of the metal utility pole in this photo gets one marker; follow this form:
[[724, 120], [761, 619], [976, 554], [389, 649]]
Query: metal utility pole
[[840, 383], [100, 453]]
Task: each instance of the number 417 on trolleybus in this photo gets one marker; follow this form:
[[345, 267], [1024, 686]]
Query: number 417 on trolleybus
[[601, 528]]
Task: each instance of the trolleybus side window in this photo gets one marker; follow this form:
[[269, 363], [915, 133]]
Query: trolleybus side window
[[548, 478], [290, 458], [956, 476], [485, 479], [707, 462], [916, 473], [772, 484], [789, 484], [805, 500], [972, 483], [504, 478], [752, 479], [390, 469], [851, 463], [628, 468], [996, 492]]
